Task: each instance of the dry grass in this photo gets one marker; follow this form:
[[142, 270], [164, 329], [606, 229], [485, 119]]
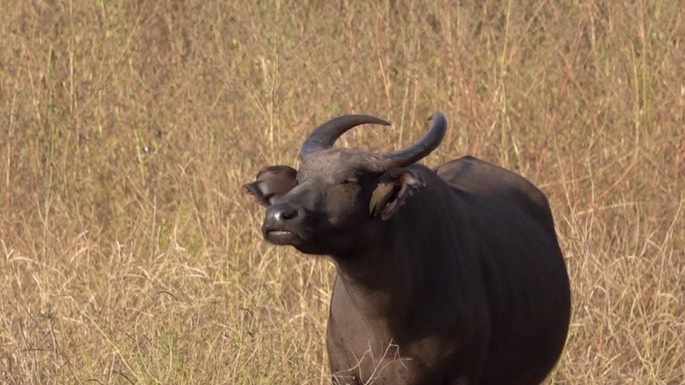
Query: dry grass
[[129, 255]]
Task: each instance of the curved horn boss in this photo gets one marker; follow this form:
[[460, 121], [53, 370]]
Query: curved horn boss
[[324, 136]]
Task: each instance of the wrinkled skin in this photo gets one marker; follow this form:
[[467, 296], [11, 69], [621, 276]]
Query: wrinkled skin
[[446, 276]]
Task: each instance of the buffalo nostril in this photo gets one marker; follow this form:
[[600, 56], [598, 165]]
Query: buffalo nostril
[[281, 212], [288, 213]]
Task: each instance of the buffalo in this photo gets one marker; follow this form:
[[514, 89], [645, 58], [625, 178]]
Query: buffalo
[[445, 276]]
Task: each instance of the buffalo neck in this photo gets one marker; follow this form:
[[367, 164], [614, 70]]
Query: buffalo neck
[[414, 261]]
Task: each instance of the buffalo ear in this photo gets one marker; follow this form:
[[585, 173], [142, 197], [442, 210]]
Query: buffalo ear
[[272, 182], [392, 191]]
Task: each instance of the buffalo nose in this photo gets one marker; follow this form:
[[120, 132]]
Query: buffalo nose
[[281, 212]]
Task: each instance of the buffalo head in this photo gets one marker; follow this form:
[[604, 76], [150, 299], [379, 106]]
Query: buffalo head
[[338, 198]]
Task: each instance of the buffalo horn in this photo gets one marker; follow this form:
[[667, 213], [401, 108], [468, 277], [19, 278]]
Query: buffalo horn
[[325, 135], [418, 150]]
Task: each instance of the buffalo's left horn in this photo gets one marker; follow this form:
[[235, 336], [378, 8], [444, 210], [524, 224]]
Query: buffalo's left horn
[[324, 136], [418, 150]]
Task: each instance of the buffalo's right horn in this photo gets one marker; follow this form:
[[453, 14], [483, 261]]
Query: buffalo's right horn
[[324, 136]]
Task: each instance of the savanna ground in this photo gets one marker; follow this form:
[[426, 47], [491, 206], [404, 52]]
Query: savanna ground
[[130, 255]]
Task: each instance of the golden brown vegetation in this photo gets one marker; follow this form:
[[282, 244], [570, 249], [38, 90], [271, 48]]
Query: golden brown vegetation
[[128, 253]]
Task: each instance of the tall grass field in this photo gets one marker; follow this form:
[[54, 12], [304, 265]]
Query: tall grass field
[[130, 255]]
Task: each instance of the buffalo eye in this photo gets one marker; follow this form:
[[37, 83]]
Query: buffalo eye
[[350, 180]]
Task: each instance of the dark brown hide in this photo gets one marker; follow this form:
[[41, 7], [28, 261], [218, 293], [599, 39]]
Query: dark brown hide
[[446, 276]]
